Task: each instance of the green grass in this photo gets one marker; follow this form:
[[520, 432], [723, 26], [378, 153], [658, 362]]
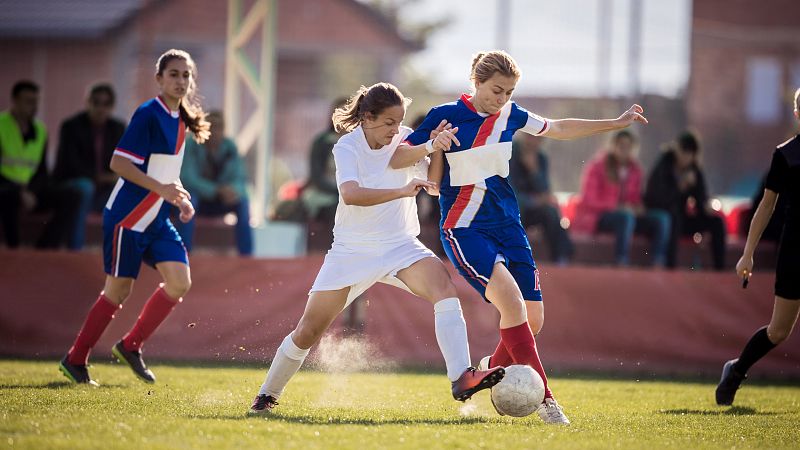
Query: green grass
[[205, 408]]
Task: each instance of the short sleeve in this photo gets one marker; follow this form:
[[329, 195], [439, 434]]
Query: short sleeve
[[135, 142], [423, 132], [777, 177], [346, 164], [528, 122]]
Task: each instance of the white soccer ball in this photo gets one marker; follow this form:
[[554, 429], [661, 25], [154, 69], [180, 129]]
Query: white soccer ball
[[519, 393]]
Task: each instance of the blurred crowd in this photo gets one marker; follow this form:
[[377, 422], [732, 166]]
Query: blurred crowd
[[662, 207]]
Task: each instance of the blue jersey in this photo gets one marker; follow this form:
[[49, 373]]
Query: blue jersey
[[154, 141], [475, 191]]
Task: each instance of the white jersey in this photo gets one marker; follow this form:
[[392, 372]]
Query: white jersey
[[385, 223]]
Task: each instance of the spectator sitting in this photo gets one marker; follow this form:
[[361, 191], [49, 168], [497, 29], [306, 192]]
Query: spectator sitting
[[214, 175], [537, 205], [611, 201], [23, 172], [86, 144], [677, 186]]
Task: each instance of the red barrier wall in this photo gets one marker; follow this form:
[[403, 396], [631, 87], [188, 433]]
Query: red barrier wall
[[634, 321]]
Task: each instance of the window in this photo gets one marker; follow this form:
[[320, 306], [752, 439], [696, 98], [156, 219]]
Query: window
[[764, 90]]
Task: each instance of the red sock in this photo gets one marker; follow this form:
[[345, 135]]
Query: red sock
[[154, 312], [500, 357], [521, 345], [96, 322]]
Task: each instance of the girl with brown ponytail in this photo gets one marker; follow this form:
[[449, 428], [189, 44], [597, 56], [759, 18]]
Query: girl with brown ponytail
[[136, 225]]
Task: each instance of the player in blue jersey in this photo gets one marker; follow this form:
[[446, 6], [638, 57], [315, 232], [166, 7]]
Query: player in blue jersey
[[782, 180], [480, 222], [136, 223]]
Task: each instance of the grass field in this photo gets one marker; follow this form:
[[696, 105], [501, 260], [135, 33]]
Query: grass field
[[205, 407]]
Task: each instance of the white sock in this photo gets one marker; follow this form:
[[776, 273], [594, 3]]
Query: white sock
[[451, 334], [288, 360]]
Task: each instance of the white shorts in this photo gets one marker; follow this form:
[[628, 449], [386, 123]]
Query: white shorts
[[361, 266]]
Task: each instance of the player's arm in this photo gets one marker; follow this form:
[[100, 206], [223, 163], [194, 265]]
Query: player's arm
[[565, 129], [757, 226], [435, 172], [353, 194], [441, 138], [173, 193]]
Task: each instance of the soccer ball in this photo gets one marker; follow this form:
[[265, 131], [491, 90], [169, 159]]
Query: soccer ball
[[519, 393]]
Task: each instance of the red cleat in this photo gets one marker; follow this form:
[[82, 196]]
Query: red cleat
[[473, 380]]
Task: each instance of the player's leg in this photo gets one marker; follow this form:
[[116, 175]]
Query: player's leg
[[428, 279], [114, 293], [122, 258], [784, 317], [321, 310]]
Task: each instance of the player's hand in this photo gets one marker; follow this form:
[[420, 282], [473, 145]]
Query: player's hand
[[414, 186], [187, 210], [445, 138], [173, 193], [633, 114], [443, 125], [744, 268]]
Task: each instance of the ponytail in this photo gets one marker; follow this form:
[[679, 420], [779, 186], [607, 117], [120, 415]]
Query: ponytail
[[348, 116], [367, 100]]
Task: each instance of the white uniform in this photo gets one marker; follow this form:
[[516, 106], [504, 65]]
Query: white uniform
[[372, 243]]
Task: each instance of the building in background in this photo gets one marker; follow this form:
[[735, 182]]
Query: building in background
[[325, 48], [745, 66]]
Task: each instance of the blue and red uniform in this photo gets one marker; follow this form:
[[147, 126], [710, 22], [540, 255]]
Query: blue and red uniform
[[480, 222], [136, 225]]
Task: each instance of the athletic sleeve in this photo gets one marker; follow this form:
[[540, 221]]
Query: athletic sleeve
[[135, 142], [529, 122], [778, 175], [346, 164], [423, 132]]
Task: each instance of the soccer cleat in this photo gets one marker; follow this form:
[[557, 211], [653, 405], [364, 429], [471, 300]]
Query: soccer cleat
[[484, 363], [550, 412], [473, 380], [76, 373], [262, 404], [728, 383], [134, 360]]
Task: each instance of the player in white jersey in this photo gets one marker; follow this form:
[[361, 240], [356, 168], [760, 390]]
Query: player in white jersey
[[375, 240]]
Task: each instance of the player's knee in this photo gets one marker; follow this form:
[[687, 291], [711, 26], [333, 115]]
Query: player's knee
[[179, 287], [778, 334], [307, 334], [118, 295], [442, 289]]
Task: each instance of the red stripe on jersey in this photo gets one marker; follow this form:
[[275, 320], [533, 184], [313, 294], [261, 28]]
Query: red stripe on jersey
[[485, 130], [181, 136], [458, 206], [128, 152], [130, 220], [466, 99]]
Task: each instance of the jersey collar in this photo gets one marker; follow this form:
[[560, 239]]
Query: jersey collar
[[173, 114], [466, 100]]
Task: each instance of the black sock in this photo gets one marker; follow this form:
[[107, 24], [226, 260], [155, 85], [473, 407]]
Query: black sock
[[758, 346]]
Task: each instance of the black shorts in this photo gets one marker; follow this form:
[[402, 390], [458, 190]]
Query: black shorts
[[787, 272]]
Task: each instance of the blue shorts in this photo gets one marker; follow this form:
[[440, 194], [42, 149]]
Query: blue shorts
[[125, 249], [474, 253]]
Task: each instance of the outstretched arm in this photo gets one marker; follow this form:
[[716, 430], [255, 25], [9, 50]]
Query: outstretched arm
[[744, 267], [565, 129]]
